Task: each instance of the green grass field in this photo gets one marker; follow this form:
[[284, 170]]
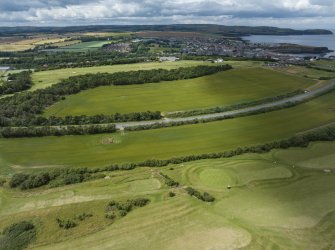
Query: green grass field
[[165, 143], [274, 203], [45, 79], [83, 46], [225, 88]]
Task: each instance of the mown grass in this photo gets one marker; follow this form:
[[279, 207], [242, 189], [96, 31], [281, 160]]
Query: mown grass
[[273, 204], [83, 46], [225, 88], [45, 79], [168, 142]]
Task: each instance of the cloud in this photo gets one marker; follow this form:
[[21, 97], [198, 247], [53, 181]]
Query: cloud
[[258, 12]]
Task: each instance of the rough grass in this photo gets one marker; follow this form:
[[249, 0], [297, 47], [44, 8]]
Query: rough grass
[[45, 79], [273, 204], [225, 88], [168, 142], [28, 43]]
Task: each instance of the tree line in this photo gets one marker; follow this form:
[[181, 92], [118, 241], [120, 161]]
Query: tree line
[[95, 119], [17, 132], [21, 108]]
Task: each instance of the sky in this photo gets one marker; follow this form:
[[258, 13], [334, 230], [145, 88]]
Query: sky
[[281, 13]]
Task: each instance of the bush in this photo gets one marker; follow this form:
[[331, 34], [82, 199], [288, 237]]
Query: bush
[[2, 182], [66, 224], [18, 236], [172, 194], [204, 197]]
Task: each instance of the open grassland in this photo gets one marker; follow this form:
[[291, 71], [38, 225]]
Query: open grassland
[[225, 88], [37, 153], [277, 201], [105, 34], [83, 46], [306, 72], [326, 64], [45, 79]]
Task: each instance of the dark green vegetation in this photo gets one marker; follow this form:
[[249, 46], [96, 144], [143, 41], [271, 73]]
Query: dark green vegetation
[[17, 132], [16, 83], [54, 178], [96, 119], [206, 197], [17, 236], [115, 210]]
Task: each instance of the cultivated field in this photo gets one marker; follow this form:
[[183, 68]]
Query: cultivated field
[[165, 143], [277, 201], [22, 44], [44, 79], [82, 47], [226, 88]]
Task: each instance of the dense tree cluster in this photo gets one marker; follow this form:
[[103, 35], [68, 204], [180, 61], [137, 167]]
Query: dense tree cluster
[[55, 178], [21, 108], [16, 83], [204, 197], [18, 236], [17, 132]]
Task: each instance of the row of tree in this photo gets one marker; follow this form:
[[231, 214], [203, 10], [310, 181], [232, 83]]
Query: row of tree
[[206, 197], [17, 132], [95, 119]]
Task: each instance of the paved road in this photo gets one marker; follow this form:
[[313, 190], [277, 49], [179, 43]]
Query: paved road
[[297, 98]]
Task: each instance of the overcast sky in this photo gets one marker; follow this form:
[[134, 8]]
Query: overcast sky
[[281, 13]]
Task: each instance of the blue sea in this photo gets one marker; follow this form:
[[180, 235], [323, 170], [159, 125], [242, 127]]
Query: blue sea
[[311, 40]]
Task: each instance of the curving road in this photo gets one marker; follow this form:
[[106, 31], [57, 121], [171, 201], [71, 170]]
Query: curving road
[[298, 98]]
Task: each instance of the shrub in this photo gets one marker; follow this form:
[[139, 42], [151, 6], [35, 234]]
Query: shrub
[[66, 224], [18, 236], [172, 194]]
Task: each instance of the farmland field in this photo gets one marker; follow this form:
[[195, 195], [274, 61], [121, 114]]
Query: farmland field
[[45, 79], [165, 143], [28, 43], [261, 203], [225, 88], [83, 46]]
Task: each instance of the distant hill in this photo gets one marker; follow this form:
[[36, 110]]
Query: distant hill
[[205, 28]]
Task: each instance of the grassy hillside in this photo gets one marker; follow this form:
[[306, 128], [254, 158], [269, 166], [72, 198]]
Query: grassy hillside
[[168, 142], [274, 203], [225, 88]]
